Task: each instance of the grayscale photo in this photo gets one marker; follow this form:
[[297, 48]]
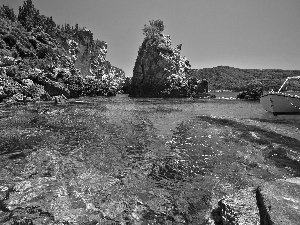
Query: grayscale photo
[[149, 112]]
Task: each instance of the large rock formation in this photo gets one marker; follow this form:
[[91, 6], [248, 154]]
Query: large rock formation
[[160, 70]]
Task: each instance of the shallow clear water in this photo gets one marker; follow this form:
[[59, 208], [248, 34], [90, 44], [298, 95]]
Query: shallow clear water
[[141, 161]]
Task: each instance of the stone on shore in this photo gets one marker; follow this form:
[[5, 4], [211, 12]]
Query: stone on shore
[[272, 203], [238, 208], [279, 202]]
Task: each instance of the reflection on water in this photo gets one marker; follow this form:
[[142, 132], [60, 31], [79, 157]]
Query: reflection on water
[[138, 161]]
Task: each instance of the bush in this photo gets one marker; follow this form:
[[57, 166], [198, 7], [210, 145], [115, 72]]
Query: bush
[[10, 40], [12, 71], [8, 13], [23, 51], [253, 91], [155, 28], [42, 51], [5, 52]]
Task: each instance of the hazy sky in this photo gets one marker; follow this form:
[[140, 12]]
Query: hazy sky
[[262, 34]]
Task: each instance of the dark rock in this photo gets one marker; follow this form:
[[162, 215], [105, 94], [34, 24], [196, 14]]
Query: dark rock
[[53, 88], [110, 94]]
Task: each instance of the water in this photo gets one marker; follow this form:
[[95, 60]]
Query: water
[[121, 160]]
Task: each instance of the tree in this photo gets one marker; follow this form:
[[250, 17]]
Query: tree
[[155, 28], [29, 16], [8, 13], [67, 27]]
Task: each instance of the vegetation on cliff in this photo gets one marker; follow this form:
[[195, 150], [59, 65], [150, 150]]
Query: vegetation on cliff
[[39, 59], [160, 70]]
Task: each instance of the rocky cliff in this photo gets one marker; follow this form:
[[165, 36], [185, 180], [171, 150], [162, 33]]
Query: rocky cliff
[[160, 70], [39, 59], [87, 54]]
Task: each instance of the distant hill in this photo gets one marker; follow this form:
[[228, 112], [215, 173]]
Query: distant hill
[[235, 79]]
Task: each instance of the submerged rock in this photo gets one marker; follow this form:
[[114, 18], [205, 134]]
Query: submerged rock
[[55, 189], [172, 168]]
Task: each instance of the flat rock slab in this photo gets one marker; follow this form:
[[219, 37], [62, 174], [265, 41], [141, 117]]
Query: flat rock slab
[[279, 202], [238, 208]]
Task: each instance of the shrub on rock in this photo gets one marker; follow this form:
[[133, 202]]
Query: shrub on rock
[[10, 40]]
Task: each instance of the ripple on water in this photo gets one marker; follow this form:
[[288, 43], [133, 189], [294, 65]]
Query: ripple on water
[[127, 160]]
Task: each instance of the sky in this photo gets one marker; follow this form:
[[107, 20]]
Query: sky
[[248, 34]]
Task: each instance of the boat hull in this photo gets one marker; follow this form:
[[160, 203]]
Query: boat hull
[[280, 103]]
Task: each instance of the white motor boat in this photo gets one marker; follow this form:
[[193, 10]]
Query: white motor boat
[[281, 102]]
